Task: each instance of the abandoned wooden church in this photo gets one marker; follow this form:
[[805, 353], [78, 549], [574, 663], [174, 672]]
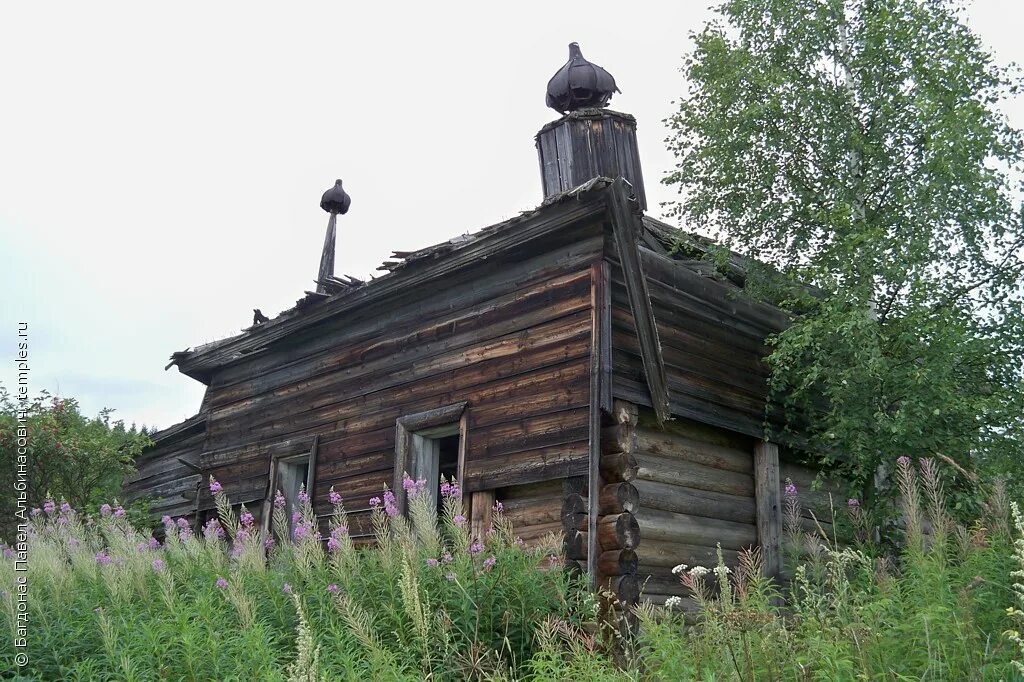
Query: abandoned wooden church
[[581, 363]]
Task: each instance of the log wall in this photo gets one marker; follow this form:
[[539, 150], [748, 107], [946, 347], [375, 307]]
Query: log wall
[[162, 475], [512, 339]]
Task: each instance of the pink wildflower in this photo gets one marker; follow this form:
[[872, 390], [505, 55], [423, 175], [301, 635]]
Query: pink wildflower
[[903, 461], [215, 486], [183, 523], [158, 565], [119, 512], [213, 530], [246, 519], [268, 543], [334, 497], [476, 547], [499, 507], [332, 544], [279, 501], [390, 508], [154, 544], [296, 516], [852, 502], [432, 563], [374, 502], [489, 563], [459, 520], [49, 507], [106, 509], [36, 512], [303, 496], [167, 521], [65, 508], [286, 588], [446, 557], [451, 490], [221, 584], [790, 490], [103, 559], [333, 589], [301, 531]]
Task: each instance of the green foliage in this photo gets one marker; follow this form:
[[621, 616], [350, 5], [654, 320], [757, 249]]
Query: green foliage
[[426, 603], [857, 146], [107, 602], [69, 455]]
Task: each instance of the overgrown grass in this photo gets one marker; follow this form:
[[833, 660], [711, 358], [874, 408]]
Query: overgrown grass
[[109, 603]]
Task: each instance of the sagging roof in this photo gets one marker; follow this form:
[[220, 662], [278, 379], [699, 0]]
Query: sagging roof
[[412, 268]]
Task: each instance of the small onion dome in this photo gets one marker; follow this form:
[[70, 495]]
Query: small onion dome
[[336, 200], [579, 84]]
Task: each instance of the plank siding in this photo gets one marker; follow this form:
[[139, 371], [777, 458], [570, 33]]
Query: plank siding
[[161, 474], [514, 343]]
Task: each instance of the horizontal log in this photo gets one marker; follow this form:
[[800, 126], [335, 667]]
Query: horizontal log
[[695, 530], [618, 497], [574, 504], [617, 562], [650, 441], [618, 468], [667, 554], [685, 500], [692, 475], [618, 531]]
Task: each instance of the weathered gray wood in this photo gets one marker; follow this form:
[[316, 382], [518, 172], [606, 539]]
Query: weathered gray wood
[[624, 229], [694, 530], [600, 396], [769, 506]]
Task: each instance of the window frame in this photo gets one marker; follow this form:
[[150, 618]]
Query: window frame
[[443, 421], [273, 475]]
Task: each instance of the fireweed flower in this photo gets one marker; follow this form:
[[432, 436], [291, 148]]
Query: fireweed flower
[[334, 497], [451, 490], [499, 507], [269, 543], [279, 501], [390, 508], [119, 512], [154, 543], [333, 589], [36, 511], [65, 508], [103, 559], [790, 490], [158, 565], [49, 507], [446, 557], [286, 588], [167, 521], [213, 530], [106, 509], [374, 502], [903, 461], [183, 524], [303, 496], [246, 519], [433, 563], [852, 502], [296, 516], [489, 563], [301, 532], [459, 520], [476, 547], [221, 584], [215, 486]]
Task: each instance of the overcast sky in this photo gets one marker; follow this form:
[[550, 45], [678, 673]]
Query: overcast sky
[[161, 164]]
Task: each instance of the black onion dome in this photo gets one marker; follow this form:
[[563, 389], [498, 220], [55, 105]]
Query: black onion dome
[[336, 200], [579, 84]]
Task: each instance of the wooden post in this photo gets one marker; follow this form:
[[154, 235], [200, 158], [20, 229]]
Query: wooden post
[[480, 514], [769, 506]]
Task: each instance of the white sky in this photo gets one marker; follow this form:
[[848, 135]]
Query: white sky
[[161, 164]]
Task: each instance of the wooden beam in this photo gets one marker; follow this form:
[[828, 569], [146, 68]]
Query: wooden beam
[[624, 229], [768, 506], [600, 399], [480, 514]]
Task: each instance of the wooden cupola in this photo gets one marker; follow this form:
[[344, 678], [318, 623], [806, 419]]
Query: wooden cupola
[[588, 141]]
